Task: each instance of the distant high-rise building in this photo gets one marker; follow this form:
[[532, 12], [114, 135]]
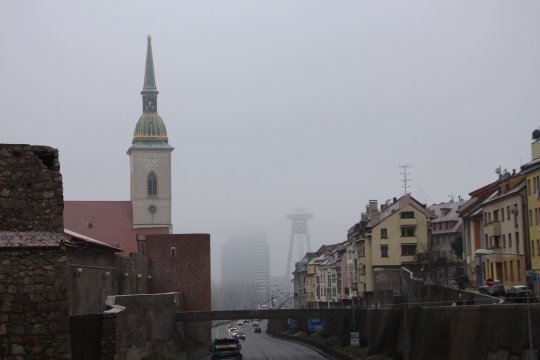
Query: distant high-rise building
[[245, 259]]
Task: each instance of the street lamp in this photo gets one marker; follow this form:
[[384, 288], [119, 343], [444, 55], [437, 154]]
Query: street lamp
[[481, 252], [404, 299]]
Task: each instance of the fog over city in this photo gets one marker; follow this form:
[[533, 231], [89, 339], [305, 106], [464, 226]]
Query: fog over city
[[277, 105]]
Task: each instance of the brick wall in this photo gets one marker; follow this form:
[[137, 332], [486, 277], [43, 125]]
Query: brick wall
[[187, 272]]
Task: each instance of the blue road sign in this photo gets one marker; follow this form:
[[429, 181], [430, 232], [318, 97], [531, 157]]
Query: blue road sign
[[355, 339], [315, 324]]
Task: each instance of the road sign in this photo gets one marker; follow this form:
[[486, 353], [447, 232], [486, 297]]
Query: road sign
[[355, 339], [293, 324], [490, 282], [315, 324]]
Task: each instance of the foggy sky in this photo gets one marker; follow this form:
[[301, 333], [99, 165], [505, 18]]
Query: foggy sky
[[274, 105]]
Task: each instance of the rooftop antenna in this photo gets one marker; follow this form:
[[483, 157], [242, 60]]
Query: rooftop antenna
[[406, 179]]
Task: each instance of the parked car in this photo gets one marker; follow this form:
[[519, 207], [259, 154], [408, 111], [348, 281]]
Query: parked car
[[518, 293], [497, 289]]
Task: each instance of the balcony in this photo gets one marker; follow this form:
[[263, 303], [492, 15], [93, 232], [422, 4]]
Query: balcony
[[493, 228]]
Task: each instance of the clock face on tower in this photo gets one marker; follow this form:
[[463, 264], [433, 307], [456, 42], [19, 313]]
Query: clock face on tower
[[152, 163]]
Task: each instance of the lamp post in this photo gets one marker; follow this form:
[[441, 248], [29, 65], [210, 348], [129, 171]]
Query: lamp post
[[481, 252], [404, 304]]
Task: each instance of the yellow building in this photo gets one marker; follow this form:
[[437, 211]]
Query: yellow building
[[395, 236], [504, 231], [531, 171]]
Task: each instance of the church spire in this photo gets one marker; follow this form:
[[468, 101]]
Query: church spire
[[149, 91], [150, 126], [149, 78]]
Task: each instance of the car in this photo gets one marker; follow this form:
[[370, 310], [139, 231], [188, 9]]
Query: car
[[246, 321], [240, 323], [496, 289], [233, 328], [239, 335], [255, 323], [258, 329], [518, 293]]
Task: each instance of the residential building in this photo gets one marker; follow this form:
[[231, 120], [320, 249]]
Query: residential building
[[473, 231], [446, 232], [300, 292], [397, 235], [531, 171], [504, 230]]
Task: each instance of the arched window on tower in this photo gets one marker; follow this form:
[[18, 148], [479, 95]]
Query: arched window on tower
[[152, 185]]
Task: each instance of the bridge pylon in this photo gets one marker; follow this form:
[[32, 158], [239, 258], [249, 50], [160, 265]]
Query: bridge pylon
[[299, 235]]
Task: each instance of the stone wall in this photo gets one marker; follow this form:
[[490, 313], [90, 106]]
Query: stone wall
[[34, 305], [142, 326], [31, 192], [103, 275], [34, 318]]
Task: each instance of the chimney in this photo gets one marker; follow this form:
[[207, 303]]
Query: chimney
[[535, 145], [374, 211]]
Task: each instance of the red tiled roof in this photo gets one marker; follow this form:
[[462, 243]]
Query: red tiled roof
[[110, 222], [30, 239]]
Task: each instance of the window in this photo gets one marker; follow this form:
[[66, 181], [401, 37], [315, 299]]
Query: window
[[496, 215], [517, 242], [384, 233], [504, 241], [152, 184], [502, 214], [384, 250], [407, 231], [508, 213], [173, 252], [407, 250], [532, 248], [530, 218], [407, 215], [509, 240], [528, 186]]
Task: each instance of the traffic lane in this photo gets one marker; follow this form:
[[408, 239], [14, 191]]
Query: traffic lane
[[259, 346]]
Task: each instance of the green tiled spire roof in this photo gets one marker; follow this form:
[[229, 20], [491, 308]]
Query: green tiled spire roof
[[150, 127]]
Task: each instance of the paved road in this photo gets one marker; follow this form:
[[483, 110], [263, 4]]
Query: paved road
[[263, 347]]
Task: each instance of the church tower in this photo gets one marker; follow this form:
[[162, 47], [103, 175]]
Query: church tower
[[150, 159]]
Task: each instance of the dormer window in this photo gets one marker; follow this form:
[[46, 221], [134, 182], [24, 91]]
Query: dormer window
[[152, 184]]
